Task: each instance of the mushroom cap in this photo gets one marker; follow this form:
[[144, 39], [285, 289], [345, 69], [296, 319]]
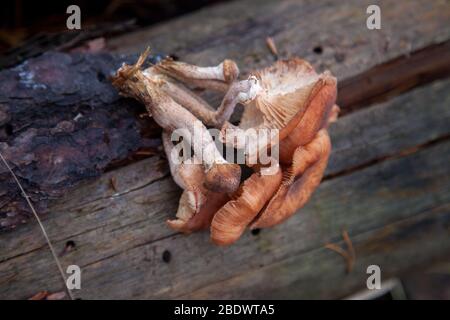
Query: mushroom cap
[[299, 181], [317, 116], [287, 87], [197, 205], [223, 177], [231, 220], [190, 219]]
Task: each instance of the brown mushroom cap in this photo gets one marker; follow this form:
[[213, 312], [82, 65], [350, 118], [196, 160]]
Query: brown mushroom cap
[[287, 88], [299, 181], [197, 205], [223, 177], [231, 220], [289, 96], [189, 219], [316, 116]]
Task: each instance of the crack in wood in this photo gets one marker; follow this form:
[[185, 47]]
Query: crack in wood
[[398, 228], [131, 248], [394, 77], [388, 166], [399, 154]]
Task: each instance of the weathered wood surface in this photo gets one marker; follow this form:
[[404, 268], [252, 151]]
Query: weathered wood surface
[[329, 35], [387, 208], [387, 183], [238, 31], [61, 122]]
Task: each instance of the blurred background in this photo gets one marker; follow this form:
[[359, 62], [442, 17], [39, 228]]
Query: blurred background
[[26, 20]]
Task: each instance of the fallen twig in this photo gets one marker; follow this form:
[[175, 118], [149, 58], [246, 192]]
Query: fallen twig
[[349, 255], [272, 47], [27, 198]]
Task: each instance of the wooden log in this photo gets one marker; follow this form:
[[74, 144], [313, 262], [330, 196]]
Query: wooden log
[[411, 49], [395, 248], [61, 122], [120, 235], [387, 181], [66, 40], [237, 30], [89, 155]]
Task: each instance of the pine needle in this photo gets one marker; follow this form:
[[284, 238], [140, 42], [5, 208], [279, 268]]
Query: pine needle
[[27, 198]]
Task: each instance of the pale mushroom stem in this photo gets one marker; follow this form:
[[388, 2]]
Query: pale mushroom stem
[[174, 166], [238, 92], [221, 176], [334, 114], [215, 78], [194, 103], [188, 176], [197, 205]]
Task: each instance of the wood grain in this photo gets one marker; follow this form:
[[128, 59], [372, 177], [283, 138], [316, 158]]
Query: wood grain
[[369, 65], [237, 30], [387, 183], [120, 235]]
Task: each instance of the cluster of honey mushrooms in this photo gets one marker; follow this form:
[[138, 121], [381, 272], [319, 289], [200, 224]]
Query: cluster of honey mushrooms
[[288, 98]]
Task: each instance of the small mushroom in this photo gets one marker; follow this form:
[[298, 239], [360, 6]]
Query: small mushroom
[[319, 112], [215, 78], [221, 78], [300, 104], [289, 98], [299, 181], [233, 218], [197, 204], [289, 90], [148, 87]]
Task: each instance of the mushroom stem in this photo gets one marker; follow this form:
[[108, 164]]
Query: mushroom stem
[[333, 115], [174, 164], [188, 176], [189, 100], [238, 92], [197, 205], [215, 78], [170, 116], [189, 220]]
